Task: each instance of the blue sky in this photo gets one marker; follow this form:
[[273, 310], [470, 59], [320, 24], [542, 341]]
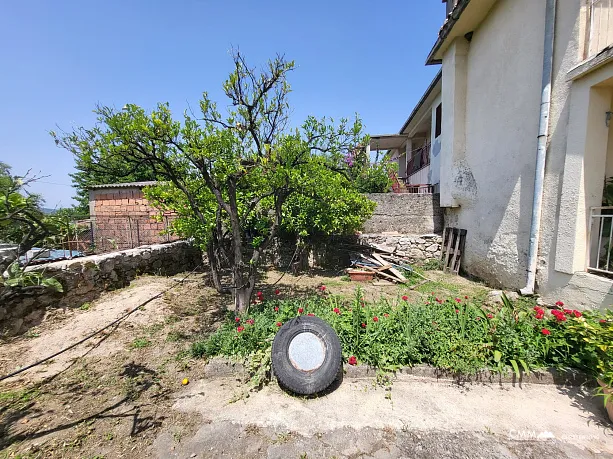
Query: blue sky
[[60, 58]]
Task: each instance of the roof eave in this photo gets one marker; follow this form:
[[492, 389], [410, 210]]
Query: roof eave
[[434, 58]]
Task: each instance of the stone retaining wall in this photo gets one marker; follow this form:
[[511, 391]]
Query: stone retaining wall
[[418, 248], [406, 213], [83, 279]]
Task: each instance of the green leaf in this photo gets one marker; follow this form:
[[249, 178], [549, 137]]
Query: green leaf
[[515, 368], [497, 356], [53, 283], [524, 365]]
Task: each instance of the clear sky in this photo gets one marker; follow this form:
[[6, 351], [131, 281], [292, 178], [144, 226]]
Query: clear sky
[[59, 58]]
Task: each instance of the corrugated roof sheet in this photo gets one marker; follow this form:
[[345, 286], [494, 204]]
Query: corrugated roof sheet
[[124, 185]]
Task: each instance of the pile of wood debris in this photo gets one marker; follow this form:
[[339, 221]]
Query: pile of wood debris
[[376, 262]]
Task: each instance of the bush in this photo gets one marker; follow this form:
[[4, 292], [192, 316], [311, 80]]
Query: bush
[[454, 334]]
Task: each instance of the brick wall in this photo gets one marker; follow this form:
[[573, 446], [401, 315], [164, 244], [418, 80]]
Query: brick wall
[[123, 218]]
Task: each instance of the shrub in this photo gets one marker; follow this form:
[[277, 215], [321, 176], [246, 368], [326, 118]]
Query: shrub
[[454, 334]]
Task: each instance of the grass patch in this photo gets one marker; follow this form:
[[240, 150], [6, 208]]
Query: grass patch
[[140, 343], [85, 306]]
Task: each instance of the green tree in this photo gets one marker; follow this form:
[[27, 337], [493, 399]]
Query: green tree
[[237, 178], [21, 219]]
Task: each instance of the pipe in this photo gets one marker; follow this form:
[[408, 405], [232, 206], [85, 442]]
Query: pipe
[[541, 151]]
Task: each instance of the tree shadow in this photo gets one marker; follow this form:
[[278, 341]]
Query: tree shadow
[[141, 378], [591, 405]]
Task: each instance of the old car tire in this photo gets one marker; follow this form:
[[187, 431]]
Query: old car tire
[[306, 355]]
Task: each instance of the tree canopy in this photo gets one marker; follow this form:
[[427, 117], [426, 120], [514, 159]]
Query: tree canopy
[[235, 179]]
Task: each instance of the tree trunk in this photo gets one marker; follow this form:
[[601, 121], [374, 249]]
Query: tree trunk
[[215, 265]]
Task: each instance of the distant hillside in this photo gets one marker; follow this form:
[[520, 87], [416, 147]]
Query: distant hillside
[[48, 211]]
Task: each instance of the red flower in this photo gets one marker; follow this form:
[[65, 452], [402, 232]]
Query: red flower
[[311, 314], [352, 360], [477, 318], [540, 315], [276, 308], [237, 319], [322, 288], [279, 324], [544, 331], [405, 298], [457, 311], [363, 325], [458, 300], [386, 315], [240, 329], [250, 321], [277, 292], [577, 313], [537, 308], [300, 310], [490, 316], [336, 311], [375, 319], [568, 311], [561, 318], [439, 301], [260, 294], [559, 303], [603, 321], [465, 297]]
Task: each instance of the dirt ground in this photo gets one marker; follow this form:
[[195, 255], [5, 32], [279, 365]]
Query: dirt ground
[[121, 393]]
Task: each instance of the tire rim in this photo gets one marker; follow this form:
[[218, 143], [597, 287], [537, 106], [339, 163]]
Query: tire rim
[[306, 352]]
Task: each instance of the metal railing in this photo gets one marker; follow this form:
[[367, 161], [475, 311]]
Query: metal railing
[[600, 236], [420, 158], [600, 26]]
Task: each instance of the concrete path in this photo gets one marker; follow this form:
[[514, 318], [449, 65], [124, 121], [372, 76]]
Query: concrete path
[[415, 418]]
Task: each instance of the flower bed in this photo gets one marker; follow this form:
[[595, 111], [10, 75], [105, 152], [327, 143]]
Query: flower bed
[[454, 334]]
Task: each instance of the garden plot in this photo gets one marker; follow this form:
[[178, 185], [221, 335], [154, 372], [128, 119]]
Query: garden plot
[[117, 399]]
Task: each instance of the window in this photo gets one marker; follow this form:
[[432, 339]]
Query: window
[[438, 120]]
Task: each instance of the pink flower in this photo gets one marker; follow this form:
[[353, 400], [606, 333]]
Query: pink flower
[[279, 324], [363, 325], [276, 308], [490, 316], [237, 319], [603, 321], [577, 313], [337, 311], [386, 315], [240, 329], [544, 331], [300, 310], [405, 298], [458, 300], [259, 294], [352, 360], [250, 321], [559, 303], [375, 319], [277, 292], [457, 311], [311, 314], [322, 288]]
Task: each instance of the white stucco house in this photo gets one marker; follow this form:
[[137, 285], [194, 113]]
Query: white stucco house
[[525, 142]]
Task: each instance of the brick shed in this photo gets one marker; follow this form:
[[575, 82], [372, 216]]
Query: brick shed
[[123, 218]]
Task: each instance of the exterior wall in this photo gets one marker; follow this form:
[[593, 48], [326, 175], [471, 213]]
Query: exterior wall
[[489, 139], [434, 174], [124, 215], [406, 213]]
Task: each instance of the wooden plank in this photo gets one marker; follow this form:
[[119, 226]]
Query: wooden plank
[[380, 273], [456, 249], [450, 238], [372, 260], [392, 270]]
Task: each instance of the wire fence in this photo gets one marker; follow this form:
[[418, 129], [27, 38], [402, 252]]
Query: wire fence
[[110, 234]]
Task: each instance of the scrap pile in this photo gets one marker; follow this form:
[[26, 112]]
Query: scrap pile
[[380, 263]]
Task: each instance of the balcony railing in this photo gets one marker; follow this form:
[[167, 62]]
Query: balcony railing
[[600, 256], [420, 158], [600, 26]]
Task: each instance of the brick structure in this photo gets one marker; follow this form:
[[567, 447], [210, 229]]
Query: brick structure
[[123, 218]]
